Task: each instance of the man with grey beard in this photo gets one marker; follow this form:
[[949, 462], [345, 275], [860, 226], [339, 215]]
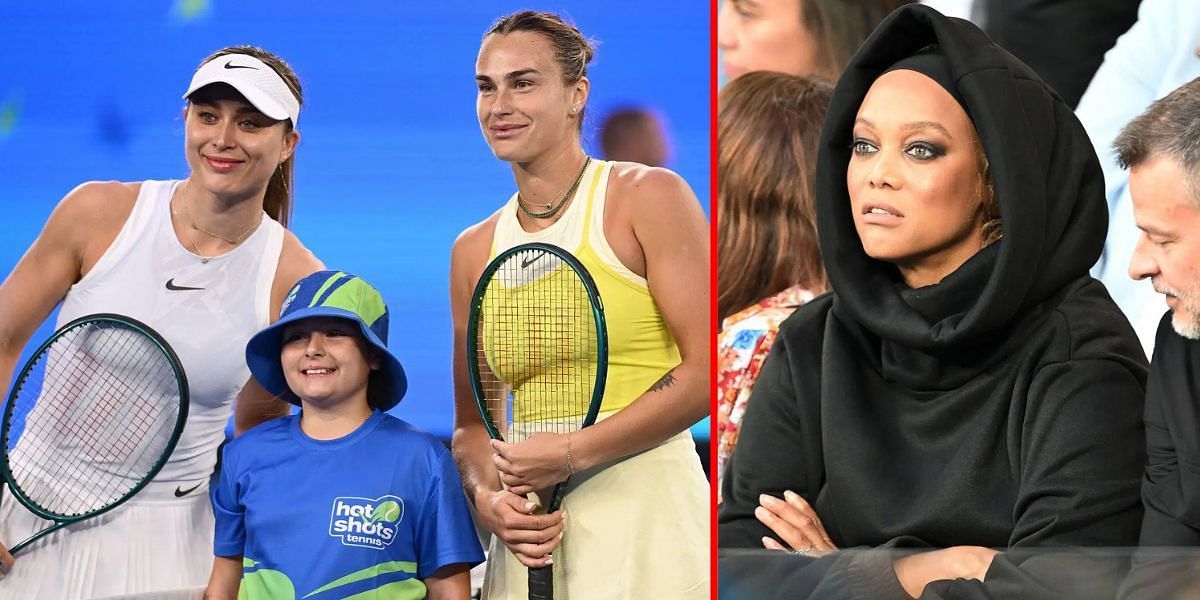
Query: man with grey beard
[[1161, 149]]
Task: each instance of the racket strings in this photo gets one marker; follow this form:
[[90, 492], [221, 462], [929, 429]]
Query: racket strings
[[100, 434], [537, 335], [96, 414]]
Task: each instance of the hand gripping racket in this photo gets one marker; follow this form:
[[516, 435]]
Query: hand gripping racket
[[91, 419], [537, 354]]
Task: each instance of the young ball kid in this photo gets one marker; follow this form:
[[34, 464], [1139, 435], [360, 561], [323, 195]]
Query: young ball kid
[[341, 499]]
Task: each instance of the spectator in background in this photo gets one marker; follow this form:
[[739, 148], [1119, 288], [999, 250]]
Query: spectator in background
[[1063, 41], [800, 37], [769, 263], [1156, 55], [1159, 148], [635, 134]]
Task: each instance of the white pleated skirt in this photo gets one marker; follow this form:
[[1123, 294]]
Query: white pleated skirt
[[638, 528], [154, 544]]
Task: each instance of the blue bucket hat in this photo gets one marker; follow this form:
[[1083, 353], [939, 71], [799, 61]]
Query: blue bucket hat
[[328, 294]]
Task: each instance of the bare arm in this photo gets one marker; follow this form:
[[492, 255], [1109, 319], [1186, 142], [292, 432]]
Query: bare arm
[[531, 537], [226, 578], [78, 231], [254, 404], [470, 439], [451, 582], [673, 233]]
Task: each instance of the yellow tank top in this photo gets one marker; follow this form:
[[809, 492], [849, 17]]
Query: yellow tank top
[[640, 350]]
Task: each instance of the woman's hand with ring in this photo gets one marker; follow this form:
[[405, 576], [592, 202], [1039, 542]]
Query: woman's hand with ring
[[796, 524]]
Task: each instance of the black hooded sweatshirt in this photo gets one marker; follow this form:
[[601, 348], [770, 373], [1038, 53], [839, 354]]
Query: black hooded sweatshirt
[[1001, 407]]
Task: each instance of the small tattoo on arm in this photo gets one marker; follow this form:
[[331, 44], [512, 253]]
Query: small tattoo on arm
[[664, 382]]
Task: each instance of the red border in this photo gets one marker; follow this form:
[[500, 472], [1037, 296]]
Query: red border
[[713, 438]]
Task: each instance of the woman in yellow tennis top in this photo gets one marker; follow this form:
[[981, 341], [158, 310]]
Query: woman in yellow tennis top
[[637, 503]]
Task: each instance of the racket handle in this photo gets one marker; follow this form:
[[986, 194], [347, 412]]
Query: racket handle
[[541, 583]]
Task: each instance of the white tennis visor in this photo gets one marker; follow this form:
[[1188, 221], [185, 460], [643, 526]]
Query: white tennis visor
[[252, 78]]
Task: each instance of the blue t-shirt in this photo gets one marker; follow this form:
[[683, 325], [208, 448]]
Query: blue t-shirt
[[377, 510]]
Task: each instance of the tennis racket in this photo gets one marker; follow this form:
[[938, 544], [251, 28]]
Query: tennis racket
[[91, 419], [537, 354]]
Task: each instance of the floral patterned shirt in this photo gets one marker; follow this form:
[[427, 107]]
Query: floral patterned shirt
[[742, 346]]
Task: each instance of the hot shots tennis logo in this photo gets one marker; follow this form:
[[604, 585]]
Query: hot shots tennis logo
[[366, 522]]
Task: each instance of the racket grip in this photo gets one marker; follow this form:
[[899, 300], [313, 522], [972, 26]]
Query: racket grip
[[541, 583]]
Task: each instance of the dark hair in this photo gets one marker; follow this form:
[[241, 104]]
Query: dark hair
[[768, 130], [572, 51], [993, 226], [379, 390], [278, 200], [1170, 127], [379, 385], [839, 27]]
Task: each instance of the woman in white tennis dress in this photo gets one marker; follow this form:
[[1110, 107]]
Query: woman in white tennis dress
[[205, 261]]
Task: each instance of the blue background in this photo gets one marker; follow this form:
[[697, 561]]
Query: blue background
[[391, 165]]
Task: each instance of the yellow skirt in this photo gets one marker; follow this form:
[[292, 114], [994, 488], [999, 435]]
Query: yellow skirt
[[637, 528]]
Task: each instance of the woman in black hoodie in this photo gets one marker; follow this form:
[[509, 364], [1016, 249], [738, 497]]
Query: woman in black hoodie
[[967, 385]]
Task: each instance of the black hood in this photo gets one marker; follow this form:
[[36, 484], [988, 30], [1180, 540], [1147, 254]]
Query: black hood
[[1045, 174]]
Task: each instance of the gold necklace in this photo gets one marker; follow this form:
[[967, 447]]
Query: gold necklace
[[551, 210], [233, 242], [196, 227]]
